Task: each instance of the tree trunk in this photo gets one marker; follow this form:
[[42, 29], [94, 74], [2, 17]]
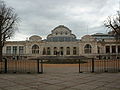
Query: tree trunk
[[0, 45], [0, 54], [0, 40], [0, 51]]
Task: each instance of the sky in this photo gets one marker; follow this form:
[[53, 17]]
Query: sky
[[39, 17]]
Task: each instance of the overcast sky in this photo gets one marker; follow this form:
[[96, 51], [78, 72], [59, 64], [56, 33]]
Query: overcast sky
[[39, 17]]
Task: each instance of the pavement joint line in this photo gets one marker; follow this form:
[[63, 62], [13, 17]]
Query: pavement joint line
[[54, 83], [17, 83], [104, 84], [76, 85], [101, 86], [67, 81], [68, 87], [107, 78]]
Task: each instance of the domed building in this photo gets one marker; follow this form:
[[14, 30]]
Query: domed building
[[35, 38], [63, 42], [61, 34]]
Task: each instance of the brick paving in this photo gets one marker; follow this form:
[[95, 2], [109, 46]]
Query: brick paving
[[65, 78]]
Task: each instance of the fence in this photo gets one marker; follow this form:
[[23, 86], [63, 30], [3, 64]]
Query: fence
[[36, 66], [20, 66], [105, 65]]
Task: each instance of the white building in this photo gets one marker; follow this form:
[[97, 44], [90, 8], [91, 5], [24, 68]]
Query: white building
[[62, 42]]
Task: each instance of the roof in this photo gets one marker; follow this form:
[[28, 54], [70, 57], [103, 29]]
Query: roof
[[61, 26]]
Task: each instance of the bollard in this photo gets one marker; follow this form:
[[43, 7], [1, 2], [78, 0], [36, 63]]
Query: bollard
[[5, 65], [79, 67], [92, 65], [38, 66], [41, 66]]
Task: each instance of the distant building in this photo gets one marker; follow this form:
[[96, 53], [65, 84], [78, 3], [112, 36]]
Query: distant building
[[62, 42]]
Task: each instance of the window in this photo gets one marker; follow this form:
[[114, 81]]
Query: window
[[21, 49], [66, 33], [35, 49], [68, 51], [118, 49], [61, 50], [74, 50], [48, 51], [107, 49], [55, 50], [8, 49], [113, 49], [87, 48], [14, 49], [44, 51], [98, 49]]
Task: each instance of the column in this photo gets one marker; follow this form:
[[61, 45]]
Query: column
[[110, 49], [64, 51], [11, 49], [71, 50], [116, 48], [51, 50], [17, 50]]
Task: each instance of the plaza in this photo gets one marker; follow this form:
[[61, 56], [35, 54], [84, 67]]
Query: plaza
[[60, 77]]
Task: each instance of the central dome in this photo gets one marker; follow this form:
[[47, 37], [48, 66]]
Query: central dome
[[61, 33], [35, 38], [61, 29]]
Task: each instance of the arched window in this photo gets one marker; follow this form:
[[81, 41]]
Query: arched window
[[98, 49], [44, 51], [35, 49], [55, 50], [61, 51], [48, 51], [66, 33], [107, 49], [74, 50], [87, 48], [68, 51]]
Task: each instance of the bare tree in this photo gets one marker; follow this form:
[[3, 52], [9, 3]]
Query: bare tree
[[8, 24], [113, 23]]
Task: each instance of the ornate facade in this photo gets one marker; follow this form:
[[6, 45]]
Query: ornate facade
[[62, 42]]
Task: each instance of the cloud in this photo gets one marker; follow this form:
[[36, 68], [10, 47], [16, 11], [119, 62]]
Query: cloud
[[81, 16]]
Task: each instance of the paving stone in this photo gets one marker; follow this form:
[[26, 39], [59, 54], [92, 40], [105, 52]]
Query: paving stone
[[84, 87], [58, 80], [69, 89], [52, 81], [67, 84], [50, 87], [106, 88], [7, 84], [97, 83], [114, 85], [2, 89], [18, 87]]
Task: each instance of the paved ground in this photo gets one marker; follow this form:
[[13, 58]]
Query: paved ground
[[60, 78]]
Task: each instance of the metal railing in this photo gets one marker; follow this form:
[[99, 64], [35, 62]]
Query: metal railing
[[36, 66], [104, 65], [20, 66]]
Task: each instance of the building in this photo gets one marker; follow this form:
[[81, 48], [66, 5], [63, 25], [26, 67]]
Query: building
[[62, 42]]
